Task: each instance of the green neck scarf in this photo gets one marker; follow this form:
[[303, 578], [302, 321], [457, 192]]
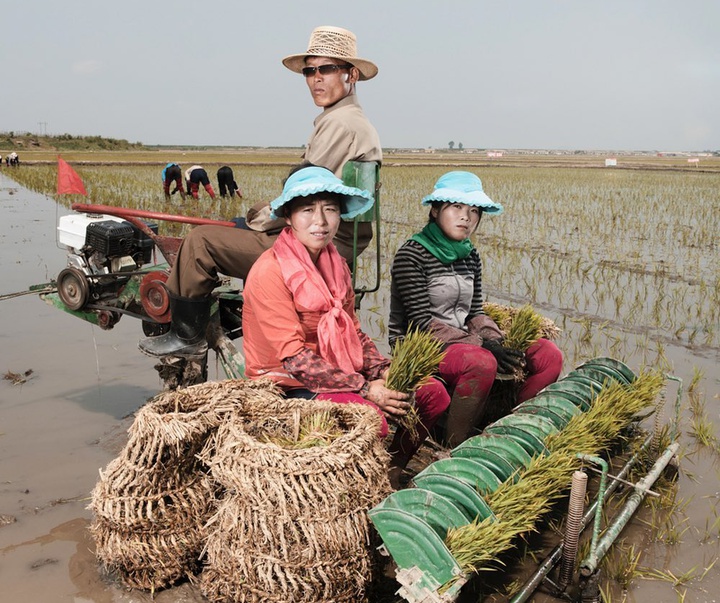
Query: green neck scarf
[[432, 238]]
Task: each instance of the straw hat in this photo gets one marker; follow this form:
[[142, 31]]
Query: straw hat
[[311, 180], [465, 188], [335, 43]]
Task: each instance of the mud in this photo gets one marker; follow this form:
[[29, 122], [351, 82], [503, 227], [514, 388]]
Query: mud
[[64, 422], [67, 416]]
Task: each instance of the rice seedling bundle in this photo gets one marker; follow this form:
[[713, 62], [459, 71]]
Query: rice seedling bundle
[[316, 429], [152, 501], [292, 522], [415, 359], [518, 506], [522, 326]]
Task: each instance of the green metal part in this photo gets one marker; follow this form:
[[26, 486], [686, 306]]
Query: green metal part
[[598, 369], [494, 460], [612, 363], [456, 490], [475, 473], [535, 424], [579, 394], [599, 375], [438, 512], [578, 377], [53, 299], [504, 446], [558, 419], [554, 557], [532, 444], [599, 548], [577, 386], [413, 524], [559, 405], [365, 175]]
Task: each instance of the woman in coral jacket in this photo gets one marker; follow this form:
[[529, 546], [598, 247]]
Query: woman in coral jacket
[[299, 322]]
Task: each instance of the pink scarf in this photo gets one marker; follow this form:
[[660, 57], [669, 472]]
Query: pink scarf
[[322, 287]]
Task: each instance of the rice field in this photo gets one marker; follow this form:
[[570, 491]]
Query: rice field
[[625, 261]]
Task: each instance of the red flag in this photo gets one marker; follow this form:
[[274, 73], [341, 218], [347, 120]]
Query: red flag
[[68, 181]]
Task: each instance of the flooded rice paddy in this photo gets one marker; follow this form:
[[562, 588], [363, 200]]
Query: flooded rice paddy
[[625, 263]]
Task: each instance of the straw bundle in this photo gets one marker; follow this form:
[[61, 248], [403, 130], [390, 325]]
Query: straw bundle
[[292, 524], [518, 506], [151, 502]]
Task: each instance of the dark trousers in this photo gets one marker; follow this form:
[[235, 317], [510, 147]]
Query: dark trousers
[[226, 181]]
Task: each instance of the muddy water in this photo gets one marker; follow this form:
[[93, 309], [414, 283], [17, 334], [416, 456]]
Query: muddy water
[[63, 424], [68, 419]]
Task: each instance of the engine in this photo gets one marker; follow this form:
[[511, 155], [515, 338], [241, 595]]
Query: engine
[[103, 252]]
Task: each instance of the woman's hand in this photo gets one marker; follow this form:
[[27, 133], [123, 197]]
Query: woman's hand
[[389, 401]]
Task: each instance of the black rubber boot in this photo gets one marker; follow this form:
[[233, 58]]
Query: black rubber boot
[[186, 337]]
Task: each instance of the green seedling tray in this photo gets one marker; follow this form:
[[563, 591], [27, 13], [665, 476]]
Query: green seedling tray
[[577, 393], [535, 424], [532, 444], [558, 420], [494, 460], [458, 491], [478, 475], [505, 446], [557, 405], [612, 364]]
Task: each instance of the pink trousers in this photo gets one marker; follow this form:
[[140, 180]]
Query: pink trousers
[[431, 401], [469, 372]]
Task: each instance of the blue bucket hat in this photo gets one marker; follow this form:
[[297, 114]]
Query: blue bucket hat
[[462, 187], [311, 180]]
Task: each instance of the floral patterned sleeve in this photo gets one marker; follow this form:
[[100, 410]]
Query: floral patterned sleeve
[[318, 375]]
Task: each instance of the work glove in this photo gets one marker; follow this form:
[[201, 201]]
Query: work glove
[[508, 360]]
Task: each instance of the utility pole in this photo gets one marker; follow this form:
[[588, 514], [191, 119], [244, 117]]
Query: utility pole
[[43, 128]]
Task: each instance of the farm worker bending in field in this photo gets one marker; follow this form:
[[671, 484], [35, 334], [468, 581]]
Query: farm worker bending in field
[[194, 177], [299, 322], [226, 182], [172, 173], [436, 285], [342, 133]]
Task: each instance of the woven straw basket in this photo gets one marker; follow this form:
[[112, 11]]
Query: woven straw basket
[[292, 524], [152, 501]]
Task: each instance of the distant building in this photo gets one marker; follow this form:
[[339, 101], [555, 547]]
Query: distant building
[[494, 153], [610, 162]]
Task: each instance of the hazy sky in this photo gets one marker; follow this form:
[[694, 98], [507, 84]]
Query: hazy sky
[[563, 74]]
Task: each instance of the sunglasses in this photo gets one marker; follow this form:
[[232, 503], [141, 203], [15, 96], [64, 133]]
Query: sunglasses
[[323, 69]]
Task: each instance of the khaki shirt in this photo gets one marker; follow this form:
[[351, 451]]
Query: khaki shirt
[[342, 133]]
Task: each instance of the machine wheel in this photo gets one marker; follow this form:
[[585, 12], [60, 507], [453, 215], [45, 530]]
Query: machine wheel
[[108, 319], [73, 288], [154, 296]]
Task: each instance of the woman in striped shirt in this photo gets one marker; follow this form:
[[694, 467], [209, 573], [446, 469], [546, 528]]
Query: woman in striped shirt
[[437, 287]]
